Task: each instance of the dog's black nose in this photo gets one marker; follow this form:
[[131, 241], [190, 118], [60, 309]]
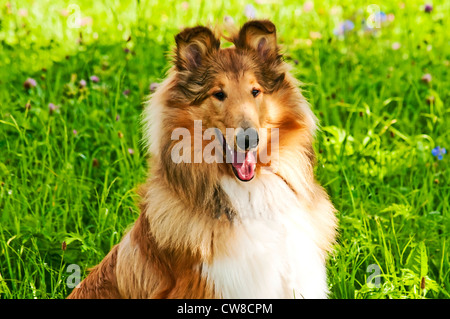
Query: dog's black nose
[[247, 138]]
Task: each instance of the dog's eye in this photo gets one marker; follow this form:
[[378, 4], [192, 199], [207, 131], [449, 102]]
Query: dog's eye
[[255, 92], [220, 95]]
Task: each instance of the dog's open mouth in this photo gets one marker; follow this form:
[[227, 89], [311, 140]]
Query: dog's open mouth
[[242, 163]]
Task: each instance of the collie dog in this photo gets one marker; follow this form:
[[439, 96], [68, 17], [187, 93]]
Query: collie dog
[[218, 219]]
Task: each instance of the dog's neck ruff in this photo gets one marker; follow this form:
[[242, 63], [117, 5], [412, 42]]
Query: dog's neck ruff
[[274, 253]]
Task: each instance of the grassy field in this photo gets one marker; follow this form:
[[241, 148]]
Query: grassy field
[[73, 75]]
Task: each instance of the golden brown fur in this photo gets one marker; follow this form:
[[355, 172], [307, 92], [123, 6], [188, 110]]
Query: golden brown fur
[[187, 220]]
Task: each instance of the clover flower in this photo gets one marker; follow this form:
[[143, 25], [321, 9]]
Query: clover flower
[[23, 12], [82, 83], [153, 86], [426, 78], [52, 107], [428, 8], [439, 152], [185, 5], [95, 78], [228, 20], [430, 99], [308, 6], [84, 21], [396, 46], [29, 83]]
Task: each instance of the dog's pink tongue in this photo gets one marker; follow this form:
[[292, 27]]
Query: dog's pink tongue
[[246, 170]]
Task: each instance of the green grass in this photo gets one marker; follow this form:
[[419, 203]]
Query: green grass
[[374, 147]]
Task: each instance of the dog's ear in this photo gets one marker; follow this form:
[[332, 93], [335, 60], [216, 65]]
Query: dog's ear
[[193, 45], [261, 36]]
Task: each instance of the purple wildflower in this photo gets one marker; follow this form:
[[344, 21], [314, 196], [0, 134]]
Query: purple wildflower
[[381, 16], [348, 25], [185, 5], [52, 107], [430, 99], [250, 11], [23, 12], [228, 20], [74, 132], [439, 152], [153, 86], [344, 27], [426, 78], [396, 46], [131, 151], [29, 83], [308, 6], [84, 21], [95, 78], [82, 83], [126, 92], [428, 8]]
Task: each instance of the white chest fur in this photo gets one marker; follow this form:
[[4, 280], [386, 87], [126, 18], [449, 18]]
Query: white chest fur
[[275, 253]]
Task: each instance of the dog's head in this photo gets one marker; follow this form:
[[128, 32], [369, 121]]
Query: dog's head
[[242, 94]]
